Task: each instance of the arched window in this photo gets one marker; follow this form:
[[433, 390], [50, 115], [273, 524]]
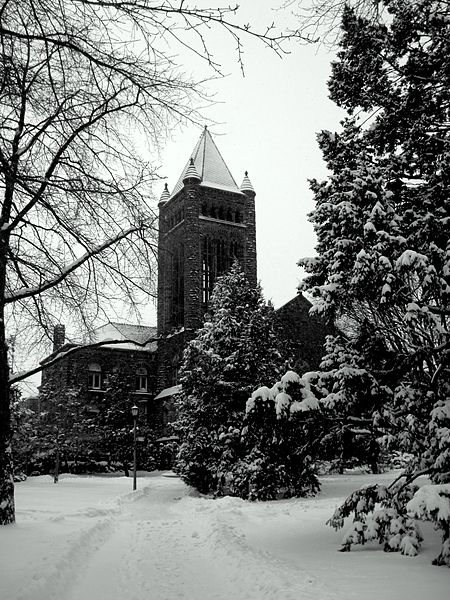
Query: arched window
[[141, 379], [94, 376]]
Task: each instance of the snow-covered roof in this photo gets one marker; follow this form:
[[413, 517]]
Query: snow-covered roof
[[210, 167], [125, 331], [168, 392]]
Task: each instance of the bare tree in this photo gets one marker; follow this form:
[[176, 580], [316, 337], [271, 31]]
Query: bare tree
[[320, 20], [77, 79]]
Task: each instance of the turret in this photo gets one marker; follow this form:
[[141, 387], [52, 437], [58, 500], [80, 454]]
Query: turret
[[247, 187], [164, 196], [191, 173]]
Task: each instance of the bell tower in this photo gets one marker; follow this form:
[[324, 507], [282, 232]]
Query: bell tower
[[204, 225]]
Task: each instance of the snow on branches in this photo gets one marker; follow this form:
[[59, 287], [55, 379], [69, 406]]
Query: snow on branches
[[389, 514], [383, 266], [379, 514], [432, 503]]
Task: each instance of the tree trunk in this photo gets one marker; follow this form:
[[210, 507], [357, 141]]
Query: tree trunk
[[66, 462], [7, 508], [7, 512], [374, 456], [56, 471]]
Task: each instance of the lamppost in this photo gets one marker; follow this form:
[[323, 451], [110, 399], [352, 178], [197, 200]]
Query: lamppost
[[134, 412]]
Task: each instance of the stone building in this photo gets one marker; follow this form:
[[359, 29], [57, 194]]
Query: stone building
[[205, 223], [87, 369]]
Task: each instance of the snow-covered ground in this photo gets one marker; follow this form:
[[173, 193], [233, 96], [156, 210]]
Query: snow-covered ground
[[90, 538]]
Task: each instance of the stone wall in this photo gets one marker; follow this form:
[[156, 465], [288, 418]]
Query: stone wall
[[192, 256], [250, 260]]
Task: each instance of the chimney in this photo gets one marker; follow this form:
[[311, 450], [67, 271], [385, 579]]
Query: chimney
[[59, 337]]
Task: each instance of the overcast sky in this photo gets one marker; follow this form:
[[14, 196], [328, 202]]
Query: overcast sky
[[267, 123]]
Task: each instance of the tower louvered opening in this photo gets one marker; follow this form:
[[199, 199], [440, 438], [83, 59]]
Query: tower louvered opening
[[218, 255]]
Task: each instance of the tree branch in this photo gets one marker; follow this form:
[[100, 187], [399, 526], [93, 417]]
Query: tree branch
[[36, 290], [16, 377]]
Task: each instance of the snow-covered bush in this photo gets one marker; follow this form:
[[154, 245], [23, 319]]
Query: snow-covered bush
[[279, 442]]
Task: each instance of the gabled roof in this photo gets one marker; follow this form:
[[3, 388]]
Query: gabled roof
[[124, 331], [210, 166]]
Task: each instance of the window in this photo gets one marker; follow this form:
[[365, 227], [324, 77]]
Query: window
[[177, 286], [207, 270], [141, 380], [94, 377]]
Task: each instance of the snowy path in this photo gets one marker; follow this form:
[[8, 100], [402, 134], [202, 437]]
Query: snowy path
[[90, 538], [163, 549]]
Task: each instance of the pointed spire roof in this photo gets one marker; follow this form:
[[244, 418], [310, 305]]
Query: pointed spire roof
[[209, 165], [246, 185], [191, 172], [165, 195]]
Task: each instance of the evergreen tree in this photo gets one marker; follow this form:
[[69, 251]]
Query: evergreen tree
[[236, 348], [353, 399], [382, 223]]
